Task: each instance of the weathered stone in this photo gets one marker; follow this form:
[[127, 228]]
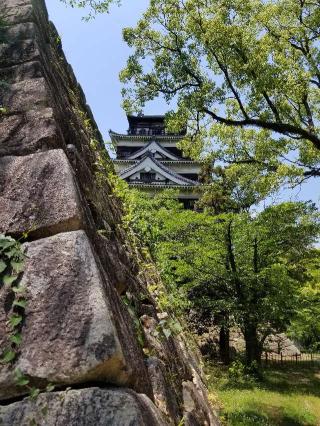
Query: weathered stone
[[38, 195], [275, 343], [5, 4], [18, 52], [21, 31], [75, 328], [166, 349], [92, 406], [17, 73], [280, 343], [113, 256], [68, 333], [13, 15], [28, 132], [188, 353], [197, 410], [185, 364], [25, 95], [164, 395], [16, 11]]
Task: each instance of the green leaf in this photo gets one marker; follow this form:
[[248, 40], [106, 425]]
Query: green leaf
[[17, 266], [16, 338], [18, 289], [18, 374], [8, 356], [9, 279], [34, 392], [3, 266], [20, 378], [6, 242], [13, 252], [50, 387], [23, 382], [22, 303], [167, 332], [15, 320]]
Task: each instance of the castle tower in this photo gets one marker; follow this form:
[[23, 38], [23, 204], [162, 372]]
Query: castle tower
[[147, 157]]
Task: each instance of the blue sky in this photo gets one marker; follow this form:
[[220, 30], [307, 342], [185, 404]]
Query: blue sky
[[97, 53]]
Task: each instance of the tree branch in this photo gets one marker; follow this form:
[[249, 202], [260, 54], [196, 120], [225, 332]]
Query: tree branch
[[282, 128]]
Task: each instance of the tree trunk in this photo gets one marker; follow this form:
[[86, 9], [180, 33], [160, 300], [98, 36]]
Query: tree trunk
[[224, 347], [253, 347]]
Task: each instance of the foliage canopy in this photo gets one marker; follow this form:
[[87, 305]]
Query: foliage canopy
[[244, 73], [93, 6], [240, 269]]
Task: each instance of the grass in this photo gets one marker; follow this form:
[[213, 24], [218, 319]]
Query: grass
[[287, 396]]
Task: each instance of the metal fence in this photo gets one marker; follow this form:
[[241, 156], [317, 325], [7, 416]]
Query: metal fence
[[306, 358]]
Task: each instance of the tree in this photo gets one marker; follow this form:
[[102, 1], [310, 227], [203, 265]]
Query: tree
[[92, 6], [235, 188], [246, 271], [243, 72], [305, 327]]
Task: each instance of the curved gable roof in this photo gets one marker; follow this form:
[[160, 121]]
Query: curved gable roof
[[153, 145], [151, 162]]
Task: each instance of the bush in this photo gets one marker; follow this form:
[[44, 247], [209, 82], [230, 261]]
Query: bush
[[241, 373]]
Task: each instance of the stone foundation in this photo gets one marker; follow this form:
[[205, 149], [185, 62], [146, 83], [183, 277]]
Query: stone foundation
[[77, 333]]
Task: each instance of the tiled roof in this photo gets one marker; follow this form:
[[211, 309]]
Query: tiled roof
[[162, 167]]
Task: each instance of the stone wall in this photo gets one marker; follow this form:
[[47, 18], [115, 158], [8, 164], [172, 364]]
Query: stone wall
[[77, 332]]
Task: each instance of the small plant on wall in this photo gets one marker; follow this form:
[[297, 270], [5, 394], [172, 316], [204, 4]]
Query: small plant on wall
[[12, 262], [11, 266]]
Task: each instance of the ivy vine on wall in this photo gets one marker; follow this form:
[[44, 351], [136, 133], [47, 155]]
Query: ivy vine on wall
[[12, 261], [11, 266]]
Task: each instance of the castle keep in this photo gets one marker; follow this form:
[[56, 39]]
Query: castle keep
[[148, 158]]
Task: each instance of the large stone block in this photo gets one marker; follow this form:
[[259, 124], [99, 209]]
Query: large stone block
[[84, 407], [18, 52], [29, 132], [13, 15], [25, 71], [70, 332], [25, 95], [38, 195], [5, 4], [164, 394], [14, 11], [197, 410], [21, 31]]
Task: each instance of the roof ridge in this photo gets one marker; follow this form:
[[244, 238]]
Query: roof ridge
[[163, 148]]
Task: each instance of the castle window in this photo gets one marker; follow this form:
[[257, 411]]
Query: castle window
[[147, 177]]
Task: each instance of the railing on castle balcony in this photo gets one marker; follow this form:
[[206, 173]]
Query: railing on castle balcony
[[153, 132]]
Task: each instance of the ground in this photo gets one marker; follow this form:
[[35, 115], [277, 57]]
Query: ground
[[286, 396]]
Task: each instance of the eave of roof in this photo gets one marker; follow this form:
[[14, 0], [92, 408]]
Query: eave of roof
[[191, 162], [114, 136], [164, 169], [161, 186]]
